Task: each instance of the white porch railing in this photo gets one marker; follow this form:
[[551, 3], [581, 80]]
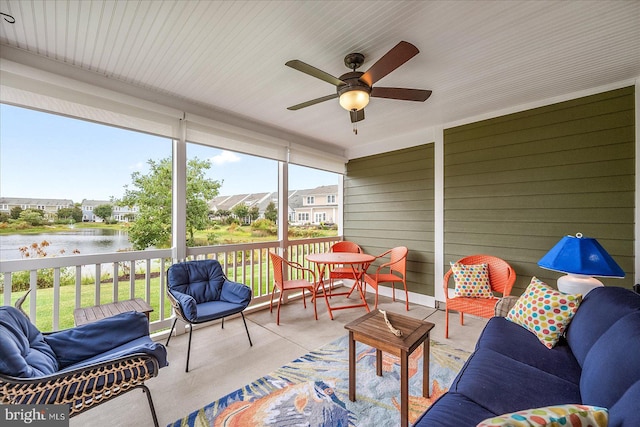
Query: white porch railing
[[104, 278]]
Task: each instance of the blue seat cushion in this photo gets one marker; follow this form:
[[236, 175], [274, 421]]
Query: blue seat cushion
[[24, 353], [453, 410], [523, 346], [501, 384], [625, 411], [216, 309], [611, 366], [600, 309]]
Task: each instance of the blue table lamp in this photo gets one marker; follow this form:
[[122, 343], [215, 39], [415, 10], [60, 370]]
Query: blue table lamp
[[581, 258]]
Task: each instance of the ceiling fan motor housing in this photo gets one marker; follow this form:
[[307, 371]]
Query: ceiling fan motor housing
[[353, 82]]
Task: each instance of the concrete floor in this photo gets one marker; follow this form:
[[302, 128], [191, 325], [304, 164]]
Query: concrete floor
[[222, 360]]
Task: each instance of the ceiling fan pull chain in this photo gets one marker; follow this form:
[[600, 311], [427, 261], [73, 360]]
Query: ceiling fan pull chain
[[355, 128]]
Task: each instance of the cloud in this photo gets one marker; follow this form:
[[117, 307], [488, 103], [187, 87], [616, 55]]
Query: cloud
[[224, 157], [137, 166]]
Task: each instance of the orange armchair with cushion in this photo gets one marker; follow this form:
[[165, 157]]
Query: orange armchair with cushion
[[476, 278]]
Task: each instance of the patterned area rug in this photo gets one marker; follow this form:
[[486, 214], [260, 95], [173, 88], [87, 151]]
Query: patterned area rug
[[313, 391]]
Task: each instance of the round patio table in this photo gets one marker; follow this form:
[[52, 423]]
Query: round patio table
[[359, 264]]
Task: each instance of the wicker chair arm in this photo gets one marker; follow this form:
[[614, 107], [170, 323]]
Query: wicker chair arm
[[300, 267], [81, 388], [445, 283]]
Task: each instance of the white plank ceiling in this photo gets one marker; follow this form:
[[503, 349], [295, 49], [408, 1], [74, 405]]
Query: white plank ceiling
[[478, 57]]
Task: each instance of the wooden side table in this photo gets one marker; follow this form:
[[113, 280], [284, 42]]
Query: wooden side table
[[91, 314], [372, 330]]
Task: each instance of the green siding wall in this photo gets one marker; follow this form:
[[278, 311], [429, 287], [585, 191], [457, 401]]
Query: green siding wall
[[388, 203], [514, 185]]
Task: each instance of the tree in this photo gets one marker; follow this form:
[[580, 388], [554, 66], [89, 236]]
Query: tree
[[241, 211], [15, 212], [32, 217], [103, 211], [151, 193], [68, 214], [254, 213], [271, 212]]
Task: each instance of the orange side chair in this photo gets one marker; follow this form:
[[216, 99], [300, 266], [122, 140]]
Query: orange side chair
[[394, 271], [279, 266], [345, 272], [501, 279]]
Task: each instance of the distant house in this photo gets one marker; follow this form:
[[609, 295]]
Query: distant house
[[87, 209], [50, 207], [314, 206], [311, 206]]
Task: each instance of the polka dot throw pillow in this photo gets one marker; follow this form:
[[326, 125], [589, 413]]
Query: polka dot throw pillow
[[544, 311], [472, 281], [552, 416]]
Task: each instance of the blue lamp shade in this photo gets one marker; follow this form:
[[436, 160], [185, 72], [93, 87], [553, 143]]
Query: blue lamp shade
[[581, 255]]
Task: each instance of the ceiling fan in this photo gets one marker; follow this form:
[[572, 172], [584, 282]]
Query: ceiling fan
[[355, 88]]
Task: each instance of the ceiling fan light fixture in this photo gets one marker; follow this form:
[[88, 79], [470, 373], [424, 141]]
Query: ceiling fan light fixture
[[354, 100]]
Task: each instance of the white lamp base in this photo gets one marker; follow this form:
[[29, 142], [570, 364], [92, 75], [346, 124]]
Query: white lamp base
[[577, 284]]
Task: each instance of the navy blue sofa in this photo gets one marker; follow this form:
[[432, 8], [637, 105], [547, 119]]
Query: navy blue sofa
[[596, 363], [82, 366]]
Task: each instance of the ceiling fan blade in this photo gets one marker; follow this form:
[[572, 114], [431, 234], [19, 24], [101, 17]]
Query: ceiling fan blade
[[312, 102], [314, 72], [401, 93], [398, 55], [356, 116]]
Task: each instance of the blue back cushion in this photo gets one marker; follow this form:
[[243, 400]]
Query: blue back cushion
[[611, 366], [601, 308], [23, 351], [202, 279]]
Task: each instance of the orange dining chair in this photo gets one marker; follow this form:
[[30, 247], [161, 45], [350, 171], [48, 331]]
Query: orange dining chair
[[394, 271], [342, 272], [501, 279], [279, 266]]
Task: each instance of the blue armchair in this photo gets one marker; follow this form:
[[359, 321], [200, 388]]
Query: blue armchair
[[82, 366], [200, 292]]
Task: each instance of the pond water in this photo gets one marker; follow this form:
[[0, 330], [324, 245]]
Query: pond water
[[87, 241]]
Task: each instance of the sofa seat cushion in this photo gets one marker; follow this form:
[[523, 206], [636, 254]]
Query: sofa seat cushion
[[515, 342], [625, 411], [503, 385], [600, 309], [453, 410], [24, 353], [611, 366]]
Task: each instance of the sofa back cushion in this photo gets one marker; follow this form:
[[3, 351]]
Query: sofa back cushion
[[23, 351], [202, 279], [600, 308], [611, 366]]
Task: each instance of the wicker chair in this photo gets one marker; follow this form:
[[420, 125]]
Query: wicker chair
[[280, 265], [81, 367], [501, 279], [200, 292], [342, 272], [393, 271]]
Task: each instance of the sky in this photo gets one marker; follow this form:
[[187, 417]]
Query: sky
[[49, 156]]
